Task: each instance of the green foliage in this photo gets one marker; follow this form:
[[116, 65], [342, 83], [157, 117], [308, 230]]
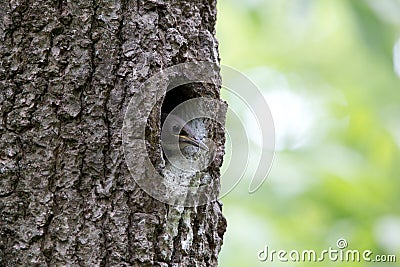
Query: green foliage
[[339, 177]]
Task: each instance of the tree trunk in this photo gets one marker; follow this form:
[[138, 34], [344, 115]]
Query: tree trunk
[[68, 70]]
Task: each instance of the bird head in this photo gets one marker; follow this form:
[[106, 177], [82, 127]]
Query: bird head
[[176, 129]]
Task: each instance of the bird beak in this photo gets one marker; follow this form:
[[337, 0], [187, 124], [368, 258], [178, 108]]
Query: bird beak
[[193, 142]]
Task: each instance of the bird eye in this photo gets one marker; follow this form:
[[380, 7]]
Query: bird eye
[[175, 129]]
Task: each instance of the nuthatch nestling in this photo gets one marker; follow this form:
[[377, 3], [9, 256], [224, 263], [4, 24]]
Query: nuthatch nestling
[[175, 130]]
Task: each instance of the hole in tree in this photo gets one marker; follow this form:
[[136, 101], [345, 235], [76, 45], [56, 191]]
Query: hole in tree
[[178, 95], [195, 128]]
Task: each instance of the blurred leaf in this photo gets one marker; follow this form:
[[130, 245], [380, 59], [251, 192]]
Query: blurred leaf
[[376, 35]]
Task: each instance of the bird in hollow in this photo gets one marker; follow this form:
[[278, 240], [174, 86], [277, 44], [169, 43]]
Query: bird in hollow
[[176, 133]]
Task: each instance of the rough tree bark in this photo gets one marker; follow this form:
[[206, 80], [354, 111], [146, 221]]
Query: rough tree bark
[[67, 71]]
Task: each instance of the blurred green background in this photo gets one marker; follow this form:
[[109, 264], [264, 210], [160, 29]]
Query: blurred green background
[[327, 70]]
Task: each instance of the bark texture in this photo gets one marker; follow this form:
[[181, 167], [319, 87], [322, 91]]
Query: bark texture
[[67, 71]]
